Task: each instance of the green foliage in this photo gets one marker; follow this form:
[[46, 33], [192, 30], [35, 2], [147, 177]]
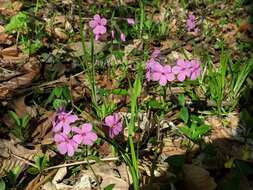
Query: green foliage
[[41, 162], [109, 187], [194, 132], [2, 184], [184, 114], [20, 130], [13, 174], [60, 97], [18, 23]]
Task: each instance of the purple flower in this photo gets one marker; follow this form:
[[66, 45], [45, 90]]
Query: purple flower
[[130, 21], [162, 74], [195, 69], [65, 144], [191, 23], [62, 121], [114, 123], [149, 68], [122, 37], [182, 69], [98, 25], [84, 134], [113, 34], [155, 53]]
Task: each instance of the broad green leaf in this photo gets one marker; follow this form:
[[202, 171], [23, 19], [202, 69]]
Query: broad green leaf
[[33, 171], [184, 114], [137, 87], [181, 100], [25, 120], [120, 91], [59, 103], [2, 184], [15, 117], [109, 187], [17, 23]]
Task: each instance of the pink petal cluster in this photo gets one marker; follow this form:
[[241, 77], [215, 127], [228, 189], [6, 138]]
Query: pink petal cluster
[[68, 138], [114, 124], [185, 68], [98, 24], [191, 23], [165, 73], [130, 21], [157, 72]]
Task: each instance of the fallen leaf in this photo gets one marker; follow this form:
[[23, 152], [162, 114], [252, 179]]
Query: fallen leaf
[[9, 8], [197, 178], [9, 149]]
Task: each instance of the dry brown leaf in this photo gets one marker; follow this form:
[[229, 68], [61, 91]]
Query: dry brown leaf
[[42, 133], [77, 47], [197, 178], [9, 149], [10, 51], [60, 33], [21, 108], [137, 44], [30, 70], [10, 8]]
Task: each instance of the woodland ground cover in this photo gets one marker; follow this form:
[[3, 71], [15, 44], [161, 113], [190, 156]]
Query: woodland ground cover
[[126, 94]]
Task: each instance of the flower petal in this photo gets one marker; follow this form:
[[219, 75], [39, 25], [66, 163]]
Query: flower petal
[[93, 23], [158, 67], [78, 138], [156, 76], [100, 29], [181, 77], [103, 21], [109, 120], [71, 149], [176, 69], [97, 17], [163, 80], [170, 77], [87, 127], [62, 148]]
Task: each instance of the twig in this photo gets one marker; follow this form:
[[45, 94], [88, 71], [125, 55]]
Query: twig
[[24, 160], [82, 162]]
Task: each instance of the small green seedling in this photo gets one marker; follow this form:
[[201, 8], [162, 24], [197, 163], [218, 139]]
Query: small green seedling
[[20, 131], [41, 162], [60, 97]]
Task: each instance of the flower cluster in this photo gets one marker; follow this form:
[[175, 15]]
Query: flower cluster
[[68, 138], [114, 124], [98, 24], [165, 73], [191, 24]]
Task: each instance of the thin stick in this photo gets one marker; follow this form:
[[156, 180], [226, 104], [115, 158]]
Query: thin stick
[[81, 162], [24, 160]]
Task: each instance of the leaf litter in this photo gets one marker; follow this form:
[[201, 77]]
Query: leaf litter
[[27, 81]]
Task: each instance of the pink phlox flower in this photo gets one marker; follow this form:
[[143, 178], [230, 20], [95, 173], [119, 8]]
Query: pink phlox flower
[[162, 74], [182, 69], [84, 134], [65, 144], [191, 24], [62, 121], [113, 122], [155, 53], [195, 69], [122, 37], [98, 24], [149, 68], [113, 34], [130, 21]]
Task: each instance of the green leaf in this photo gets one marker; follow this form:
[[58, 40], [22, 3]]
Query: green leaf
[[15, 117], [181, 100], [25, 120], [2, 184], [41, 161], [33, 170], [109, 187], [154, 104], [119, 92], [186, 131], [17, 23], [137, 87], [58, 91], [184, 114], [59, 103]]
